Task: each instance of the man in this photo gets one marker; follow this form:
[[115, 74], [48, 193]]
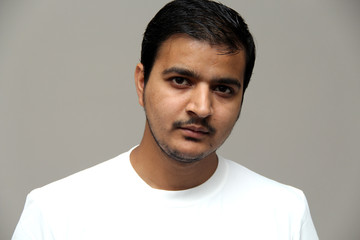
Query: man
[[196, 62]]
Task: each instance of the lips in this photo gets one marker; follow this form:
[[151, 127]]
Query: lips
[[196, 129], [194, 132]]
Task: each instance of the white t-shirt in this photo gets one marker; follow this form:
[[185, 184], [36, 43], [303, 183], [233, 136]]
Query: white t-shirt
[[110, 201]]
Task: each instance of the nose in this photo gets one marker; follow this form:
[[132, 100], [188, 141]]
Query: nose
[[200, 103]]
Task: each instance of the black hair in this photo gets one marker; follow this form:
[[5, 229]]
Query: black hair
[[203, 20]]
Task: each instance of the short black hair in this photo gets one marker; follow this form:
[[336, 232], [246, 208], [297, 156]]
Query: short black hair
[[203, 20]]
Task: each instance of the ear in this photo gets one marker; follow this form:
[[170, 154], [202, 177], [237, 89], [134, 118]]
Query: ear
[[140, 82]]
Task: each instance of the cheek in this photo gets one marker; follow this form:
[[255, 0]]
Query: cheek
[[227, 112], [161, 108], [225, 119]]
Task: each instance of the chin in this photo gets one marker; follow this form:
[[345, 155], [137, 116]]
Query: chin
[[186, 156]]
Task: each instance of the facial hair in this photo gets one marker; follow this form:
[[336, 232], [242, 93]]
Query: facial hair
[[175, 154]]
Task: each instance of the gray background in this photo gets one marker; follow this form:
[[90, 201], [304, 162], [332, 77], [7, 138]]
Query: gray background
[[67, 98]]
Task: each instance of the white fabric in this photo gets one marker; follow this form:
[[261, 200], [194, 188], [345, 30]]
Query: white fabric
[[110, 201]]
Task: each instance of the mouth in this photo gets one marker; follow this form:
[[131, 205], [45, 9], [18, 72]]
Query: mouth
[[196, 129], [194, 133]]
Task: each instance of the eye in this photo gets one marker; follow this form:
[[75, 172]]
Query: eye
[[224, 90], [180, 81]]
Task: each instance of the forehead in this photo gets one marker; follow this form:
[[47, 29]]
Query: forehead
[[200, 56]]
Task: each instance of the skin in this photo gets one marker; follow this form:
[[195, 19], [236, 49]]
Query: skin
[[192, 101]]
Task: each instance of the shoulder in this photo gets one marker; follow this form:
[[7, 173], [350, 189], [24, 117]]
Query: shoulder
[[247, 178], [261, 201], [262, 191], [86, 183], [57, 207]]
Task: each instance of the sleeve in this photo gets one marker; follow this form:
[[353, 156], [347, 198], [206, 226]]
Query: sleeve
[[308, 231], [32, 224]]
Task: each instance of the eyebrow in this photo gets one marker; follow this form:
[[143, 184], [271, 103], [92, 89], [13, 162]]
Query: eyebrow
[[181, 71], [192, 74]]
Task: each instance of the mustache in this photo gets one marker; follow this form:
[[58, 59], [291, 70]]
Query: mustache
[[202, 122]]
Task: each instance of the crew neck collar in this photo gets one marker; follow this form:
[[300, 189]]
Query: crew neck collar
[[181, 197]]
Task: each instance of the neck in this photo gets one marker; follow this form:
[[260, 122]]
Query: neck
[[160, 171]]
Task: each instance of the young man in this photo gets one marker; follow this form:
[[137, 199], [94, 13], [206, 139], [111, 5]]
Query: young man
[[196, 62]]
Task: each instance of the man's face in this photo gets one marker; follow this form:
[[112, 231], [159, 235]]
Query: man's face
[[193, 97]]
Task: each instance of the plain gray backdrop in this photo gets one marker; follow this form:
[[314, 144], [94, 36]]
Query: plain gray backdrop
[[68, 101]]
